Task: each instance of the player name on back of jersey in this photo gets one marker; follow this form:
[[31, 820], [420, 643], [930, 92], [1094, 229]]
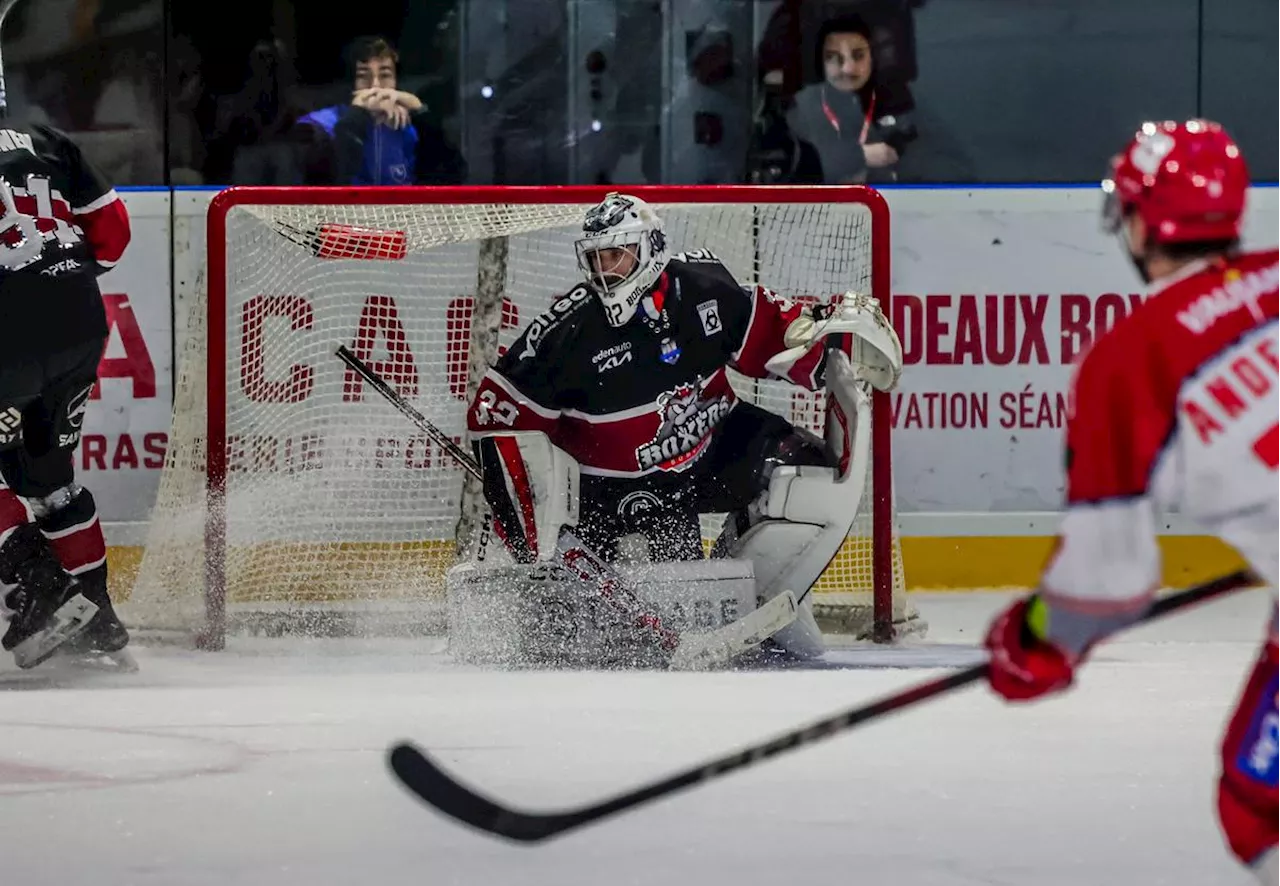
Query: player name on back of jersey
[[1241, 291], [1231, 313], [1244, 374]]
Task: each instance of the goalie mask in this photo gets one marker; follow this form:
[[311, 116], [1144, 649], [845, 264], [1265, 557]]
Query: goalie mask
[[622, 252]]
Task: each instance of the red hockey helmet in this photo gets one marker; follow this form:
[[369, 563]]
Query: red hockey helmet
[[1186, 180]]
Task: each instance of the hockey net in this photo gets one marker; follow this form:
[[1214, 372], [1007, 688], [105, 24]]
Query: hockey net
[[293, 499]]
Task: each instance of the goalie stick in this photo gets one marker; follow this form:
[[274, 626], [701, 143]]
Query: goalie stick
[[688, 650], [420, 774], [439, 437]]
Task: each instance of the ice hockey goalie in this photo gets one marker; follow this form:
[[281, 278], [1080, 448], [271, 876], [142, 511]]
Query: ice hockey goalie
[[613, 415]]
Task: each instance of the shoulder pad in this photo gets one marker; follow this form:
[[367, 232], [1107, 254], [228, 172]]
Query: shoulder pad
[[552, 318], [697, 256]]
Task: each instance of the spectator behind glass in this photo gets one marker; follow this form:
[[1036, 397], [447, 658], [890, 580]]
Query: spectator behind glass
[[127, 120], [859, 126], [186, 90], [785, 53], [384, 136], [250, 144]]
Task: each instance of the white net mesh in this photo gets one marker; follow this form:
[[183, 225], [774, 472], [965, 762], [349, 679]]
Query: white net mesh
[[334, 501]]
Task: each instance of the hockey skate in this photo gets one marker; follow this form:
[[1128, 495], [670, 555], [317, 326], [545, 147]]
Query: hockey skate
[[101, 644], [46, 606]]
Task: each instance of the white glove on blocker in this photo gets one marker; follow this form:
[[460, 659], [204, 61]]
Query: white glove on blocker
[[877, 352]]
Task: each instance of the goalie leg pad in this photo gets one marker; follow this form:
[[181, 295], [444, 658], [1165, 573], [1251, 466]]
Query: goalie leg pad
[[802, 520], [531, 485], [806, 521], [538, 614]]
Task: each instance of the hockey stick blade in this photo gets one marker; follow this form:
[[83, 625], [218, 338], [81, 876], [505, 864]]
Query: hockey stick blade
[[433, 785], [723, 644], [422, 776]]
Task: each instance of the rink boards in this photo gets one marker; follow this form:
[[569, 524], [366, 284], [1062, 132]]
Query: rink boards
[[995, 291]]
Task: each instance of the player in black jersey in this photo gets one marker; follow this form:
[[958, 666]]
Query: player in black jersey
[[62, 226], [625, 380]]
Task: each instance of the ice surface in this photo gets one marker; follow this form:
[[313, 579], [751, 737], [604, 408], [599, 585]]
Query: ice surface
[[265, 765]]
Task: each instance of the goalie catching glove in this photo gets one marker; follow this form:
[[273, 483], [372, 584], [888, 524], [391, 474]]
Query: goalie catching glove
[[877, 352]]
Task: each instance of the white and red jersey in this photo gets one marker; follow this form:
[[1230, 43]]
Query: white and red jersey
[[1174, 409], [641, 400]]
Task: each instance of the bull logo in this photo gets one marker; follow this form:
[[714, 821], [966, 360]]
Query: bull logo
[[685, 423], [676, 406]]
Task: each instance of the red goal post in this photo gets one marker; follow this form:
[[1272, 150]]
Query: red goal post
[[278, 496]]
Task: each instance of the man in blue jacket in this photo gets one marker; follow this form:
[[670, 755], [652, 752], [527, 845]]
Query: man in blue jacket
[[384, 136]]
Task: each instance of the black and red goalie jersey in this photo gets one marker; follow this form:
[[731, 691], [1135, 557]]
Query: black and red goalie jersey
[[62, 225], [643, 398]]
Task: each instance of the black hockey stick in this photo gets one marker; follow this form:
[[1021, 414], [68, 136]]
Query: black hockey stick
[[439, 437], [431, 783]]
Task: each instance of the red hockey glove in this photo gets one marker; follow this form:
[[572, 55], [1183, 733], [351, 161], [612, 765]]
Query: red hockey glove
[[1023, 666]]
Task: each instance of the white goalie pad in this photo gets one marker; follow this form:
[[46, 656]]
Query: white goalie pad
[[538, 614], [532, 487], [806, 513], [877, 351]]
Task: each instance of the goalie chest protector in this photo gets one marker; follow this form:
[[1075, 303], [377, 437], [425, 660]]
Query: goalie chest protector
[[626, 401]]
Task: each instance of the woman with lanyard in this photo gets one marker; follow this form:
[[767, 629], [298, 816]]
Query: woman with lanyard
[[853, 122]]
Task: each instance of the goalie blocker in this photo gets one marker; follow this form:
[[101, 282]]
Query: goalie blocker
[[791, 502]]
